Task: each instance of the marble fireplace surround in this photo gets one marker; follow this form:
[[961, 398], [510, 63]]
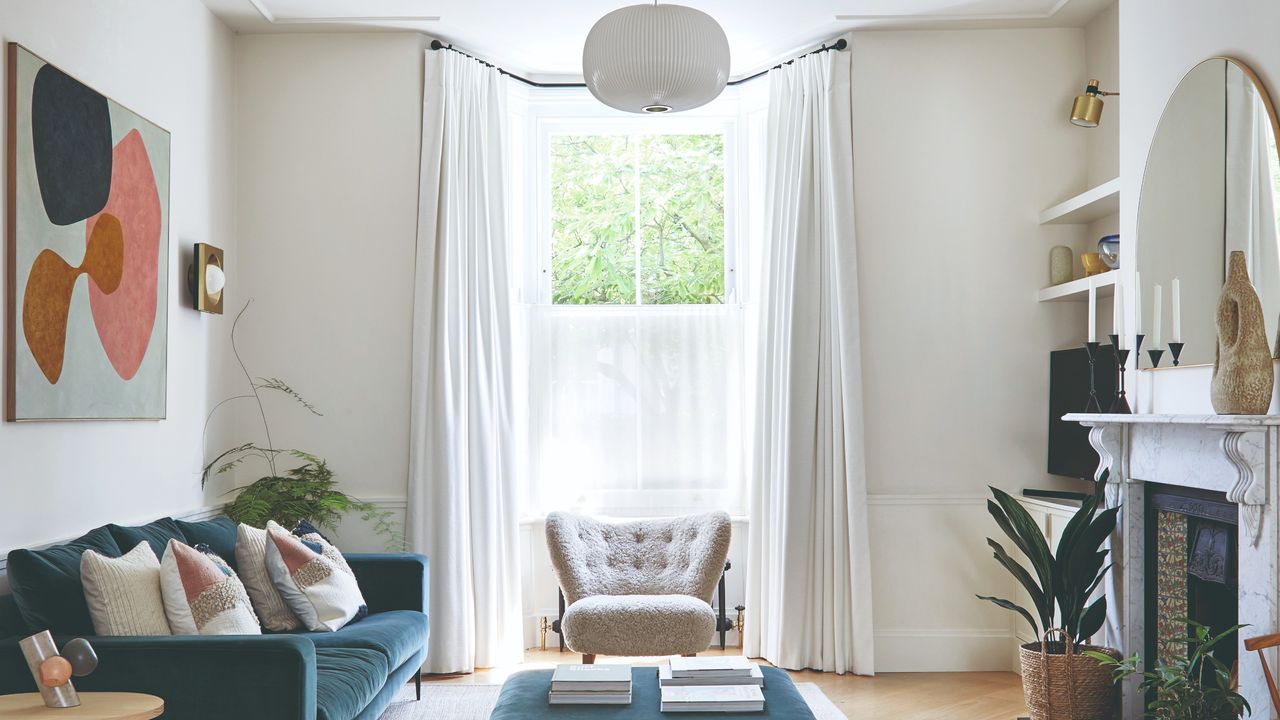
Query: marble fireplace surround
[[1231, 454]]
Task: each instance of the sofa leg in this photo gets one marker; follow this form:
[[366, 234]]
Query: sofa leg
[[417, 684], [690, 655], [588, 658]]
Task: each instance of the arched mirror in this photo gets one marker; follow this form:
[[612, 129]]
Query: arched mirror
[[1211, 185]]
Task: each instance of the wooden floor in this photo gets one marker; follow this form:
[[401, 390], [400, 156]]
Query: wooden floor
[[888, 696]]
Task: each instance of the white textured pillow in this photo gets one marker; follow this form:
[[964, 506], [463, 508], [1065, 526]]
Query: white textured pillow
[[123, 594], [251, 561], [203, 597], [321, 592]]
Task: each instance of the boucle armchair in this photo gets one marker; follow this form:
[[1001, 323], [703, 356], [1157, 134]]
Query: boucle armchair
[[638, 588]]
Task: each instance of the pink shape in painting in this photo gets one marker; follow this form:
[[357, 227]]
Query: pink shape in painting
[[125, 318]]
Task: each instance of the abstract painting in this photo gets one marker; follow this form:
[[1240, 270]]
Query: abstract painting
[[88, 245]]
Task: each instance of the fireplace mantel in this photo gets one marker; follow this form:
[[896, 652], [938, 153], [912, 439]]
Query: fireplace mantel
[[1232, 454]]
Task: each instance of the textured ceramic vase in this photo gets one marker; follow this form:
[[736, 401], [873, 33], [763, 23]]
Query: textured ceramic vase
[[1242, 374], [1061, 260]]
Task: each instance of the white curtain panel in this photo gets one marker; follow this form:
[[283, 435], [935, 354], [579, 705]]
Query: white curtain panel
[[462, 496], [808, 569], [1250, 191], [635, 410]]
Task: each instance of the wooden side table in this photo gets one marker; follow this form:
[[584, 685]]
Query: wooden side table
[[93, 706]]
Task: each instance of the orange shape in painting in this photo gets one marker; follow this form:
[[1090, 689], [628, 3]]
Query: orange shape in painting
[[47, 300], [125, 315]]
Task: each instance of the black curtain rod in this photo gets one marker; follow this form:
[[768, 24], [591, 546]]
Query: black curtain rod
[[840, 44]]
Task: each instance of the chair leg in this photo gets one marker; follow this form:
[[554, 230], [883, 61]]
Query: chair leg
[[417, 684], [588, 658]]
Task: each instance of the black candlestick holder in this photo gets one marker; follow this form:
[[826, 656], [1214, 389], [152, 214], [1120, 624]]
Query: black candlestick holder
[[1121, 404], [1092, 406], [1175, 349], [1155, 354], [1137, 346]]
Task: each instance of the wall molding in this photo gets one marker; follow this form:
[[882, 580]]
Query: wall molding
[[945, 633], [271, 17], [875, 499]]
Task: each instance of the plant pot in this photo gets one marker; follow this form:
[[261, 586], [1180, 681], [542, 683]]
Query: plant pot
[[1060, 683]]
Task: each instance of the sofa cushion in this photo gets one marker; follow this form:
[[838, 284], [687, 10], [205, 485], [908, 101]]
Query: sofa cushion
[[202, 595], [219, 534], [157, 533], [123, 593], [46, 583], [631, 625], [322, 592], [11, 622], [347, 679], [251, 564], [397, 634]]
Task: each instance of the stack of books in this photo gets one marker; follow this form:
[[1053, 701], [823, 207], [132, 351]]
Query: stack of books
[[752, 677], [711, 684], [590, 685], [712, 698]]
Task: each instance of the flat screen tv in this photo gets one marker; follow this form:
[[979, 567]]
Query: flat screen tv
[[1069, 451]]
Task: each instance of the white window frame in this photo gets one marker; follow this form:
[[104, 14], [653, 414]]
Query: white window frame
[[570, 111]]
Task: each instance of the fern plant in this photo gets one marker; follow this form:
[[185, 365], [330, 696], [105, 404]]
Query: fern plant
[[1059, 585], [306, 492]]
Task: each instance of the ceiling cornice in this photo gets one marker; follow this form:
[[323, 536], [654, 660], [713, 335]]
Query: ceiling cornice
[[272, 18]]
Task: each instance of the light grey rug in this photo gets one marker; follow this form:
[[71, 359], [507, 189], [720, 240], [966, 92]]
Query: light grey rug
[[475, 702]]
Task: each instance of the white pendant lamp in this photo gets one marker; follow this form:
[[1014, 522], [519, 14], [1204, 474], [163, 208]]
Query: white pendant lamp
[[656, 59]]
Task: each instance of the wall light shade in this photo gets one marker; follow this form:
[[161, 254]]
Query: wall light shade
[[1086, 111], [207, 278], [656, 58]]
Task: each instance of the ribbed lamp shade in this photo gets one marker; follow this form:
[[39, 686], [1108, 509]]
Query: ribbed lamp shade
[[656, 58]]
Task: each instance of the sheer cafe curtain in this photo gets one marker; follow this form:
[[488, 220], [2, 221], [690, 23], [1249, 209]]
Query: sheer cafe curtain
[[633, 411]]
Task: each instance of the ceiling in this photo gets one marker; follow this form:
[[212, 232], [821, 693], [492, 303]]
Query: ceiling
[[544, 38]]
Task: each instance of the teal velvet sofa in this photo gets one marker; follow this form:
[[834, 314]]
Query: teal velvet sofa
[[351, 674]]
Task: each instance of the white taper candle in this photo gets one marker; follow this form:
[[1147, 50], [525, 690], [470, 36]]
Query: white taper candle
[[1177, 310], [1093, 313], [1155, 324], [1117, 316], [1137, 296]]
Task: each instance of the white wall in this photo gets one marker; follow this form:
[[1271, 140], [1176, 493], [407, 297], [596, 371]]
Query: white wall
[[960, 139], [1160, 40], [171, 61], [329, 129]]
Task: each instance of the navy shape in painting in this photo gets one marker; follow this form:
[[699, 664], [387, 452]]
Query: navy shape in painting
[[71, 135]]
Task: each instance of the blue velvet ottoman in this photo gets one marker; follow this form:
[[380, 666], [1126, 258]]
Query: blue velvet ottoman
[[524, 697]]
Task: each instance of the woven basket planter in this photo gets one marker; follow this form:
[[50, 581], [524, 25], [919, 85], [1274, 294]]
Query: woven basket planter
[[1059, 683]]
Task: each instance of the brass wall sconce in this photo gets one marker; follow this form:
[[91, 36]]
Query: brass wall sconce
[[206, 279], [1086, 111]]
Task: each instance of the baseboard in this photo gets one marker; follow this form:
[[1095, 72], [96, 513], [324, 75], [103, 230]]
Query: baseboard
[[949, 650]]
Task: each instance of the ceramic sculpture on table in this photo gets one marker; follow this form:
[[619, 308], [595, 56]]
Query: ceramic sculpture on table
[[1242, 373], [53, 670]]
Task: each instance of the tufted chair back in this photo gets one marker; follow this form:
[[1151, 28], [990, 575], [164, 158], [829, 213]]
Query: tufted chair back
[[678, 556]]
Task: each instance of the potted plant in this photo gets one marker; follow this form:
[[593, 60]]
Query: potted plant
[[1057, 679], [1191, 685], [308, 492]]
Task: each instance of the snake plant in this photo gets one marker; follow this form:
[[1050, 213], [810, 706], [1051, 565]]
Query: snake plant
[[1059, 583]]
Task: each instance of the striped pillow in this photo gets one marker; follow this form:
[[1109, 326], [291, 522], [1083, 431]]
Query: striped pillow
[[203, 597], [123, 594]]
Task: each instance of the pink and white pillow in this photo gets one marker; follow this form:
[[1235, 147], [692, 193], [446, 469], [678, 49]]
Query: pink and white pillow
[[203, 597], [319, 588]]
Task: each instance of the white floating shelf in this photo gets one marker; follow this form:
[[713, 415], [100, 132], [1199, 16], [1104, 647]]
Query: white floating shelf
[[1078, 290], [1092, 204]]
